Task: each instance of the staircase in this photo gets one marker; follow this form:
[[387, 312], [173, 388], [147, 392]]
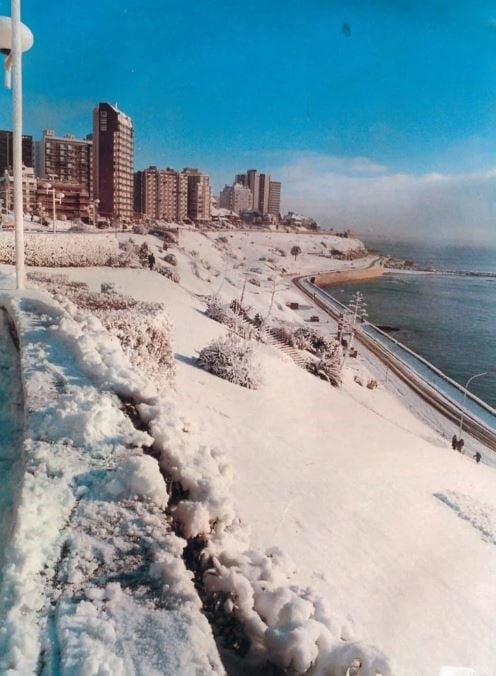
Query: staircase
[[247, 329]]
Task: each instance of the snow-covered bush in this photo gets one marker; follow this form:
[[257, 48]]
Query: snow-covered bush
[[254, 281], [108, 287], [317, 343], [328, 368], [143, 253], [169, 273], [139, 229], [61, 250], [217, 310], [82, 227], [143, 328], [241, 310], [232, 359], [126, 257], [171, 259]]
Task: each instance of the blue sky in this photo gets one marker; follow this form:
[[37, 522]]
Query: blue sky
[[400, 109]]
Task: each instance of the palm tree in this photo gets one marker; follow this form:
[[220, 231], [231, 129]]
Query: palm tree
[[295, 250]]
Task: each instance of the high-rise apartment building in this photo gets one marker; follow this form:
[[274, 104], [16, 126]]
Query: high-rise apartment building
[[263, 194], [113, 159], [259, 185], [199, 195], [65, 159], [7, 153], [236, 198], [161, 194], [274, 198]]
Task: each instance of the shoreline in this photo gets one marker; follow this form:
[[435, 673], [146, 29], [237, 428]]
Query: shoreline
[[440, 401], [373, 271]]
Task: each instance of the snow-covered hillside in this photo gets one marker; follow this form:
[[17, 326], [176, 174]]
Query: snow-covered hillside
[[366, 505]]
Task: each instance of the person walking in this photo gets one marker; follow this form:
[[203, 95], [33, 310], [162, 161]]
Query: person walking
[[460, 445], [151, 261], [477, 457], [454, 442]]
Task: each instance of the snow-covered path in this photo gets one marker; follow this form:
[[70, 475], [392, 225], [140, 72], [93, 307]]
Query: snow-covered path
[[94, 581], [11, 426]]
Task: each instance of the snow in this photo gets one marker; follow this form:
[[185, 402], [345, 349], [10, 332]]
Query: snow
[[328, 515], [62, 249], [94, 580]]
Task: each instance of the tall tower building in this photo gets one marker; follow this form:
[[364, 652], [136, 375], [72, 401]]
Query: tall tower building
[[66, 158], [7, 154], [259, 185], [199, 195], [263, 194], [113, 159], [274, 198]]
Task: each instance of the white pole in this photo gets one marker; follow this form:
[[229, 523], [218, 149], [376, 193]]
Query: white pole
[[53, 205], [17, 141], [477, 375]]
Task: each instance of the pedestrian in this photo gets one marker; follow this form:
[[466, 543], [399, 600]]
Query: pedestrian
[[454, 442], [151, 261], [478, 457], [460, 445]]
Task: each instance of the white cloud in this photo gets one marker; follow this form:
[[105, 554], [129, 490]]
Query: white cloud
[[361, 194]]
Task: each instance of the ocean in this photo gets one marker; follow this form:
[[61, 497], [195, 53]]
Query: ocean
[[450, 320]]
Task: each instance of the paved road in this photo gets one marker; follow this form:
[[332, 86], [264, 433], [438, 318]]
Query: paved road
[[428, 393]]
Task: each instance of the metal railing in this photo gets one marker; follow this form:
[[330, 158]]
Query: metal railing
[[420, 366]]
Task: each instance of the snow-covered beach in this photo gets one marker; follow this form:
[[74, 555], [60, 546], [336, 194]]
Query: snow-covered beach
[[365, 502]]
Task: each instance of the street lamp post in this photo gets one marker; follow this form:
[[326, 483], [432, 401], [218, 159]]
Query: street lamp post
[[462, 416], [16, 38], [56, 197], [95, 204]]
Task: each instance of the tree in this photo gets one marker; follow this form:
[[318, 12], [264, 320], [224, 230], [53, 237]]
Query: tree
[[295, 251]]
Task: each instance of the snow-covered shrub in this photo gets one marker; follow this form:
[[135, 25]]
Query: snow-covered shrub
[[171, 259], [143, 253], [169, 273], [54, 282], [61, 250], [241, 310], [108, 287], [317, 343], [127, 257], [139, 229], [254, 281], [82, 227], [217, 310], [231, 358], [328, 369], [258, 320], [301, 342], [372, 384], [143, 328]]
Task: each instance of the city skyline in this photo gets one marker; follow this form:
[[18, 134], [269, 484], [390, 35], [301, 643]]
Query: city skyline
[[390, 123]]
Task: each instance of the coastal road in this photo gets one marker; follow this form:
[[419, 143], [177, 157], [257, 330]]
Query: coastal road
[[427, 392]]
